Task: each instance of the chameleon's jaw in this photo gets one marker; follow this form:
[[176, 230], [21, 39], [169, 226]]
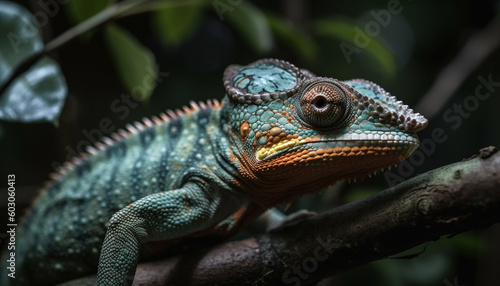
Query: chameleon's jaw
[[300, 166], [324, 146]]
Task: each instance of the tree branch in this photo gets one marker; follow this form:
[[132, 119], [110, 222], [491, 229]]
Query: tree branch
[[446, 201]]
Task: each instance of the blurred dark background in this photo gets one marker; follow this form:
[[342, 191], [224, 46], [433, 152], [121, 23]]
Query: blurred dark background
[[420, 44]]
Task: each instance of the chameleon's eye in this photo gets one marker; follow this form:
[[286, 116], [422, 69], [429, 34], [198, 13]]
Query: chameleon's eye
[[324, 104]]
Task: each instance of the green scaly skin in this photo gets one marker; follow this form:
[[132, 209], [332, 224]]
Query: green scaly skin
[[279, 132]]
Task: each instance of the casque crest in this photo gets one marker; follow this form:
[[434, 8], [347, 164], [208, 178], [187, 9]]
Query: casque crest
[[238, 81]]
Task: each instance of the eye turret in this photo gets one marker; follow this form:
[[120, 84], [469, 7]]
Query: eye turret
[[323, 103]]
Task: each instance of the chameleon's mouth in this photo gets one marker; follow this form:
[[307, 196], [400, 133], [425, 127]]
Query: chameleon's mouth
[[344, 145]]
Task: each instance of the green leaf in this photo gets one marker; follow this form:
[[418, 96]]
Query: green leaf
[[81, 10], [39, 93], [177, 24], [349, 34], [252, 25], [19, 39], [36, 96], [295, 40], [135, 63]]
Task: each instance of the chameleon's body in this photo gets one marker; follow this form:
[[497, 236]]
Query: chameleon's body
[[279, 132]]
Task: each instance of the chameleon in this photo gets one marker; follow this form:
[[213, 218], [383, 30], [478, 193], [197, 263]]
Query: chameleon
[[278, 133]]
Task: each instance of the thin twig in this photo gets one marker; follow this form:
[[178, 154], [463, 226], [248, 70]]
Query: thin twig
[[475, 51]]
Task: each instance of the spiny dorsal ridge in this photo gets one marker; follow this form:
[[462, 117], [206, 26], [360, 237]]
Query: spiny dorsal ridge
[[115, 136], [179, 113], [108, 141], [91, 150], [131, 128], [120, 134], [156, 120], [100, 146], [146, 121], [139, 126], [194, 106]]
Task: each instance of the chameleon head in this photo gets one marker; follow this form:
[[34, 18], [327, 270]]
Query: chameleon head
[[298, 133]]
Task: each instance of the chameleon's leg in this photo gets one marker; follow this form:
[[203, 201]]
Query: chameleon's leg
[[159, 216]]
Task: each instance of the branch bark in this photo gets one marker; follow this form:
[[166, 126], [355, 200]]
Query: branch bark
[[445, 201]]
